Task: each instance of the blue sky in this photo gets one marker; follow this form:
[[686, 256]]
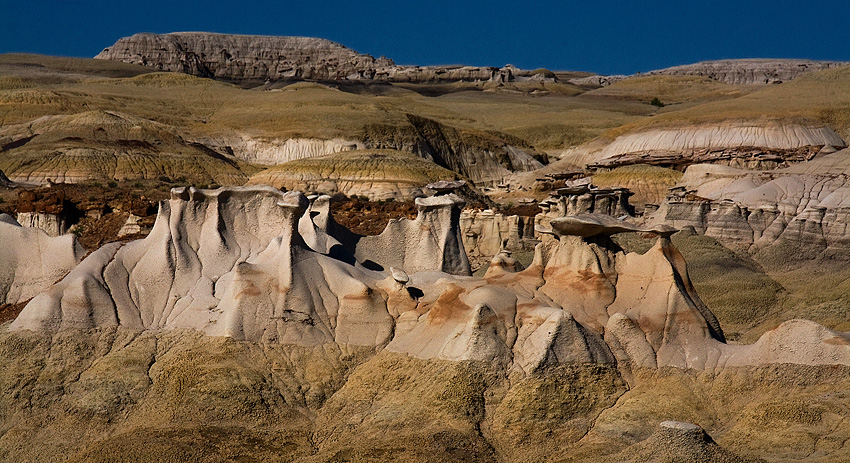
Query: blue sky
[[607, 37]]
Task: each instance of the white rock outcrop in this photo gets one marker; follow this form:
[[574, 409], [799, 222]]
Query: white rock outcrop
[[486, 232], [269, 152], [256, 264], [32, 260], [52, 224], [803, 206]]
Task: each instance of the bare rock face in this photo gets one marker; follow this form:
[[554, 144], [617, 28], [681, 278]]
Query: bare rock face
[[587, 199], [252, 263], [206, 266], [247, 313], [432, 241], [32, 260], [750, 71], [587, 225], [800, 209], [244, 57], [254, 59], [4, 181], [52, 224], [485, 233]]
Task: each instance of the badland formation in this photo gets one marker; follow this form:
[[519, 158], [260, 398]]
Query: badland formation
[[248, 248]]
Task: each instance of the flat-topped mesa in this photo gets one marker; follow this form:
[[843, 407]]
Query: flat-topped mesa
[[750, 71], [244, 57], [255, 59]]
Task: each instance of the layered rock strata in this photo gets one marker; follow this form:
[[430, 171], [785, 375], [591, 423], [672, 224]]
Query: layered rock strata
[[253, 59], [375, 174], [108, 145], [52, 224], [743, 157], [585, 198], [720, 143], [750, 71], [800, 208], [486, 233]]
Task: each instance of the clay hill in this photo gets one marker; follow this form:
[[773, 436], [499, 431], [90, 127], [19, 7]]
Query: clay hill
[[248, 248]]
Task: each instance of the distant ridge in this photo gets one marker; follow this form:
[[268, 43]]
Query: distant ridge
[[255, 59], [747, 71], [750, 71]]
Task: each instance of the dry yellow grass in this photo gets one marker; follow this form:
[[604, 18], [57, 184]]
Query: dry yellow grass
[[672, 90], [372, 165], [303, 110], [648, 183], [820, 98]]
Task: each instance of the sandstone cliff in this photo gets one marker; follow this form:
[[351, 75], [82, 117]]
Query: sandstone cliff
[[244, 57], [253, 60]]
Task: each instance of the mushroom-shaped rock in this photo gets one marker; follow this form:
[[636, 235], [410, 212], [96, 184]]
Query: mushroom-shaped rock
[[586, 225], [445, 186]]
